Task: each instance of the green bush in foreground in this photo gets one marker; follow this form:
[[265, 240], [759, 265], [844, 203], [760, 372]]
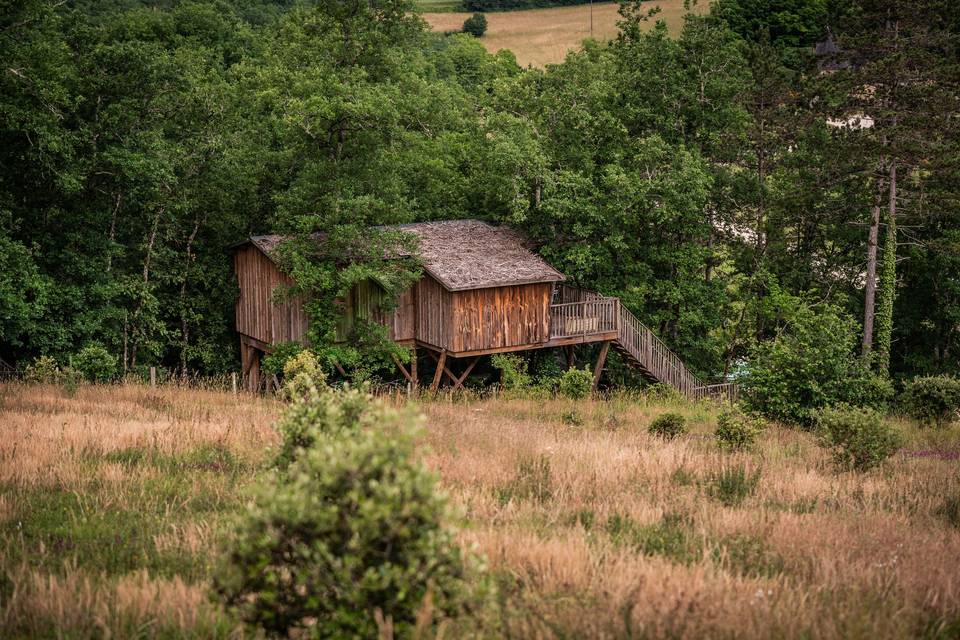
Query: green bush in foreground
[[350, 541], [859, 438], [736, 431], [576, 383], [327, 415], [668, 426], [933, 399]]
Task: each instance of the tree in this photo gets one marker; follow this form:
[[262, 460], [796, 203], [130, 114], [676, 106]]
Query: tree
[[476, 25]]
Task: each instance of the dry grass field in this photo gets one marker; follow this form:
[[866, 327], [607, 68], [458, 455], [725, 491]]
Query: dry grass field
[[544, 36], [115, 502]]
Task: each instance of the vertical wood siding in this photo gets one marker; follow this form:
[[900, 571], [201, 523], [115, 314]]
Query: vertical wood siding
[[403, 325], [433, 312], [500, 317], [257, 315], [365, 302]]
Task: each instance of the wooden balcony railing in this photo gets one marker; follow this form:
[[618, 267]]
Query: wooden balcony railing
[[590, 317]]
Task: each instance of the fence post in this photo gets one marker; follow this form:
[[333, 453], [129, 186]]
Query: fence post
[[153, 377], [233, 382]]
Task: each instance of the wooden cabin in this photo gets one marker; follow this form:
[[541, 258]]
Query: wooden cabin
[[483, 291]]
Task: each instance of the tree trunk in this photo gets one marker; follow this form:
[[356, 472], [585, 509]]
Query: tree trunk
[[113, 233], [146, 279], [184, 325], [888, 281], [869, 310]]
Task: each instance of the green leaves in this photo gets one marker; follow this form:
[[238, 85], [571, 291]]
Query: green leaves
[[809, 365], [354, 528], [858, 437], [933, 399]]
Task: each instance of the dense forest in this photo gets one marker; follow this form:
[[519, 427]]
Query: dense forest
[[766, 176]]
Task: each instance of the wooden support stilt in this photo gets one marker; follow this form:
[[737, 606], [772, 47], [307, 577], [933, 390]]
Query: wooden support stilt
[[233, 381], [598, 369], [571, 357], [446, 370], [458, 382], [403, 369], [441, 364], [413, 369], [254, 372]]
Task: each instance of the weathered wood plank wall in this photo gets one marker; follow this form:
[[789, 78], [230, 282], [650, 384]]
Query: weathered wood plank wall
[[433, 304], [500, 317], [403, 323], [257, 315]]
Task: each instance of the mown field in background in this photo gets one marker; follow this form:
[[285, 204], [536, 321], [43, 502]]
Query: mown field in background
[[544, 36], [116, 501]]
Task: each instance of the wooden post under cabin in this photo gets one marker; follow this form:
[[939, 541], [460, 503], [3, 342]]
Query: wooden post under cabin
[[441, 363], [413, 369], [598, 369]]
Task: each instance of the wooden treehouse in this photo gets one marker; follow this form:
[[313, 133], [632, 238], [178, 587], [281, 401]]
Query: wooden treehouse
[[482, 292]]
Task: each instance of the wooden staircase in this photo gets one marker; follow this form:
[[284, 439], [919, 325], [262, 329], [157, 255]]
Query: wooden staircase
[[636, 343]]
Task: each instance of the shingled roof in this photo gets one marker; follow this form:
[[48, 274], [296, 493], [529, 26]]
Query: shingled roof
[[465, 254], [470, 254]]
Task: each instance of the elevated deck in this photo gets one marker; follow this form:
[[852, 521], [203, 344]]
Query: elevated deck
[[578, 316]]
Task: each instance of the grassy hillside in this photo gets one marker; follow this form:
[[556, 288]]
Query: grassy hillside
[[116, 501], [440, 5], [544, 36]]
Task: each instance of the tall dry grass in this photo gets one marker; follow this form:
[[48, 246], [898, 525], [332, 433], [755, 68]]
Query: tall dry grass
[[115, 502]]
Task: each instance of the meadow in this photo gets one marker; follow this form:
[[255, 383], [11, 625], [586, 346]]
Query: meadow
[[117, 501], [538, 37]]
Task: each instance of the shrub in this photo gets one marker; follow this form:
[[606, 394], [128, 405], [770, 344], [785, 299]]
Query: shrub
[[94, 363], [933, 399], [476, 25], [732, 484], [668, 426], [282, 351], [547, 371], [858, 437], [808, 366], [576, 383], [736, 431], [44, 370], [513, 371], [351, 539], [572, 418], [302, 376], [325, 416], [665, 393]]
